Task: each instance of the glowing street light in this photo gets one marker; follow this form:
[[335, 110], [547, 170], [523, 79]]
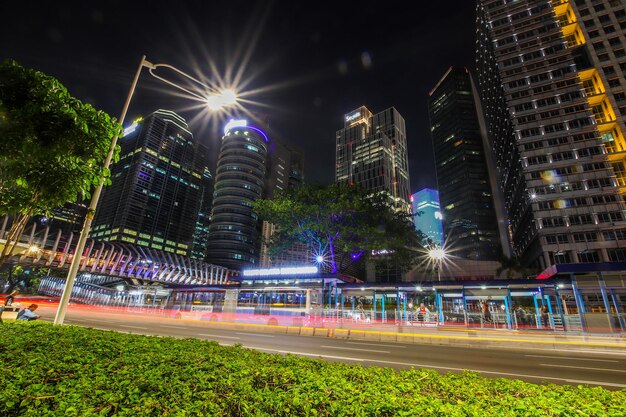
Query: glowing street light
[[437, 255], [214, 101], [224, 99], [33, 249]]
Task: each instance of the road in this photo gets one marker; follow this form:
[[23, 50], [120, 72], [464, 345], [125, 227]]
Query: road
[[532, 364]]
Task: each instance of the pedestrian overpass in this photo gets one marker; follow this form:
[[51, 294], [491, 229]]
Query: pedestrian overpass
[[138, 264]]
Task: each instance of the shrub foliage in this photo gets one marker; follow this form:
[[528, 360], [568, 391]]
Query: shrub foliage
[[74, 371]]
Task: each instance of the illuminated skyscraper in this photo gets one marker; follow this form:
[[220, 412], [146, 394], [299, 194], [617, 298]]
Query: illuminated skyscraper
[[371, 151], [428, 217], [249, 167], [154, 197], [465, 192], [551, 80]]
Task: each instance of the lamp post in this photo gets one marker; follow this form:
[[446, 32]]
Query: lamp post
[[213, 102], [437, 255]]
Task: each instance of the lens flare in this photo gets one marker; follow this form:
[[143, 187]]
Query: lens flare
[[219, 101], [551, 177]]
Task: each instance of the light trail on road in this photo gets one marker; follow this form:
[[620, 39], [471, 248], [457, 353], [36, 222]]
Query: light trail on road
[[535, 364]]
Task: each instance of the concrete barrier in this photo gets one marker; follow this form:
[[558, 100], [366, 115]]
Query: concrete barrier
[[306, 331], [278, 329], [341, 333], [321, 331], [357, 334], [371, 335], [388, 337], [293, 329], [465, 338]]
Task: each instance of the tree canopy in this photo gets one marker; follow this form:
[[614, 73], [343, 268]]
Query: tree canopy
[[339, 219], [513, 266], [53, 145]]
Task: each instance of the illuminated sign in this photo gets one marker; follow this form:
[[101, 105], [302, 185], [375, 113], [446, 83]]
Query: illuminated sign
[[280, 271], [243, 123], [235, 123], [130, 129], [353, 116], [379, 252]]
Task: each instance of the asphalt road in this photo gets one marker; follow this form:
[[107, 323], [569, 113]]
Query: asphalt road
[[537, 365]]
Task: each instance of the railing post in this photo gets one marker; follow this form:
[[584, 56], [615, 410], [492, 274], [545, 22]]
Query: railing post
[[580, 304]]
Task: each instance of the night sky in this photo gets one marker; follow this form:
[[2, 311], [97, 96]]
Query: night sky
[[312, 61]]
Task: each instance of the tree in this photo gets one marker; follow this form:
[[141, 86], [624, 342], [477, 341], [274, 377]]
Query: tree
[[340, 219], [53, 147], [512, 266], [16, 277]]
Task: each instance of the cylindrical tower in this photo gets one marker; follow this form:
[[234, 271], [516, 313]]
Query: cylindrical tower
[[234, 233]]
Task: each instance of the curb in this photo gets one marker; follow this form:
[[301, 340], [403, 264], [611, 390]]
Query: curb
[[415, 338]]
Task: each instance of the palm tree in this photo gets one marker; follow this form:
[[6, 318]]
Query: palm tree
[[512, 266]]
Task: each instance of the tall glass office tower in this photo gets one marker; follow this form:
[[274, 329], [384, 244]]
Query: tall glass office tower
[[234, 233], [371, 151], [428, 218], [465, 192], [154, 197]]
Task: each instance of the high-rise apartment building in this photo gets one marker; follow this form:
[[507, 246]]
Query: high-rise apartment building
[[465, 191], [240, 179], [371, 151], [551, 80], [154, 197], [428, 218]]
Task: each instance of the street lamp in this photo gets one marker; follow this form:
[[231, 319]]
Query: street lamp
[[33, 249], [437, 256], [214, 101]]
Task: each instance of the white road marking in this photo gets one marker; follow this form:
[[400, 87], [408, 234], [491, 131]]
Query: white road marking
[[355, 349], [608, 384], [572, 358], [447, 368], [175, 327], [522, 348], [574, 381], [102, 321], [84, 319], [255, 334], [132, 327], [217, 335], [315, 355], [582, 367], [375, 344]]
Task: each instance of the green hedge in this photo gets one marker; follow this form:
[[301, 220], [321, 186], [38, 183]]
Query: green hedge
[[74, 371]]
